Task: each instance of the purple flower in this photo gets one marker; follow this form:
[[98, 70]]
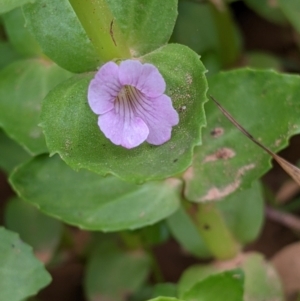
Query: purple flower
[[130, 101]]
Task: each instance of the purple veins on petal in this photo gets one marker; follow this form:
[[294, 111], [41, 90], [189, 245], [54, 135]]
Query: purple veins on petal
[[127, 134], [104, 88], [144, 77], [131, 103]]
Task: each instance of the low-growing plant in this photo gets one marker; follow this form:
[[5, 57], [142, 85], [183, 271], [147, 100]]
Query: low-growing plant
[[107, 125]]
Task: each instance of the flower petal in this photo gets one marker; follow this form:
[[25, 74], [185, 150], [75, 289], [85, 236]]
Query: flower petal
[[104, 88], [145, 77], [107, 73], [127, 133], [130, 72], [151, 82], [160, 116]]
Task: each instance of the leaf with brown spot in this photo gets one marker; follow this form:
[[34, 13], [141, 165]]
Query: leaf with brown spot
[[223, 153], [291, 169], [268, 105]]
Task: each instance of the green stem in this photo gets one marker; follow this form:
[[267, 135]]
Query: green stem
[[214, 231], [102, 29], [134, 242], [156, 270], [130, 240]]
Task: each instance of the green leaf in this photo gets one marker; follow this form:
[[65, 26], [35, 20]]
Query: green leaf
[[196, 18], [194, 274], [223, 286], [267, 105], [244, 213], [261, 280], [57, 29], [112, 274], [291, 10], [165, 289], [270, 10], [230, 38], [261, 60], [21, 274], [97, 203], [22, 40], [23, 85], [180, 223], [7, 54], [208, 31], [153, 235], [143, 28], [165, 299], [7, 5], [71, 128], [40, 231], [143, 293], [195, 28], [146, 237], [11, 154]]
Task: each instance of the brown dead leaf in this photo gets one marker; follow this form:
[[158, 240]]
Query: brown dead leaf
[[287, 191], [287, 263]]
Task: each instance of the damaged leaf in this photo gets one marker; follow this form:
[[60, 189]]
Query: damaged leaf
[[267, 104], [291, 169]]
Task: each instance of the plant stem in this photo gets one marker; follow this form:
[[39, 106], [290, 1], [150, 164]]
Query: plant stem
[[102, 29], [215, 232], [134, 242]]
